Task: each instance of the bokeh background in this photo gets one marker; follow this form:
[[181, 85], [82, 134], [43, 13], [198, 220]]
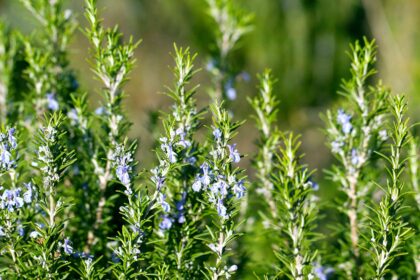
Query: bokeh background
[[304, 42]]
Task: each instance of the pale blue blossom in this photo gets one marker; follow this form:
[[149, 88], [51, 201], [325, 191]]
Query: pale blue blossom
[[239, 189], [233, 153], [355, 158], [52, 102], [221, 209], [231, 93], [322, 272], [166, 223], [122, 174], [217, 134], [100, 111], [7, 145], [168, 150], [165, 205], [230, 90], [196, 186], [122, 161], [27, 196], [220, 187], [6, 161], [21, 230], [68, 249], [185, 143], [34, 234], [11, 138], [157, 178], [205, 179], [336, 146], [344, 120], [11, 200], [73, 116], [181, 219], [202, 180]]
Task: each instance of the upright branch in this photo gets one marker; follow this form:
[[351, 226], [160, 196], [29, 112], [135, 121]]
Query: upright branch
[[231, 25], [12, 201], [47, 71], [265, 107], [173, 177], [112, 62], [353, 136], [53, 161], [296, 211], [389, 231], [222, 186]]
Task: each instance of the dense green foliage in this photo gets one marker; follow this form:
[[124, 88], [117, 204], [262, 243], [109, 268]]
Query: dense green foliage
[[76, 204]]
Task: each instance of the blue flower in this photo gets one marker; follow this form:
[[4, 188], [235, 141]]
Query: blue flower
[[52, 102], [6, 161], [73, 116], [344, 120], [221, 209], [239, 189], [122, 174], [157, 178], [196, 186], [115, 258], [182, 142], [234, 154], [168, 150], [165, 205], [191, 160], [181, 219], [11, 200], [11, 138], [21, 230], [166, 223], [355, 158], [321, 272], [231, 93], [315, 186], [68, 249], [180, 204], [2, 233], [27, 196], [217, 134], [223, 187], [230, 90], [34, 234], [100, 111], [205, 179], [7, 144], [336, 146]]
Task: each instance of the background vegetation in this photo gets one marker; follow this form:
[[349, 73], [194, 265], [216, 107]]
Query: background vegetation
[[304, 42]]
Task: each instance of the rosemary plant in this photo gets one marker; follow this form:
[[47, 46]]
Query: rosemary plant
[[354, 134], [389, 231], [75, 204], [231, 25]]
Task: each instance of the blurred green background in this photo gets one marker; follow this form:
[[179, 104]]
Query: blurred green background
[[304, 42]]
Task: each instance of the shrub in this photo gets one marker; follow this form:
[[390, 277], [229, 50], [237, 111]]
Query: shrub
[[75, 204]]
